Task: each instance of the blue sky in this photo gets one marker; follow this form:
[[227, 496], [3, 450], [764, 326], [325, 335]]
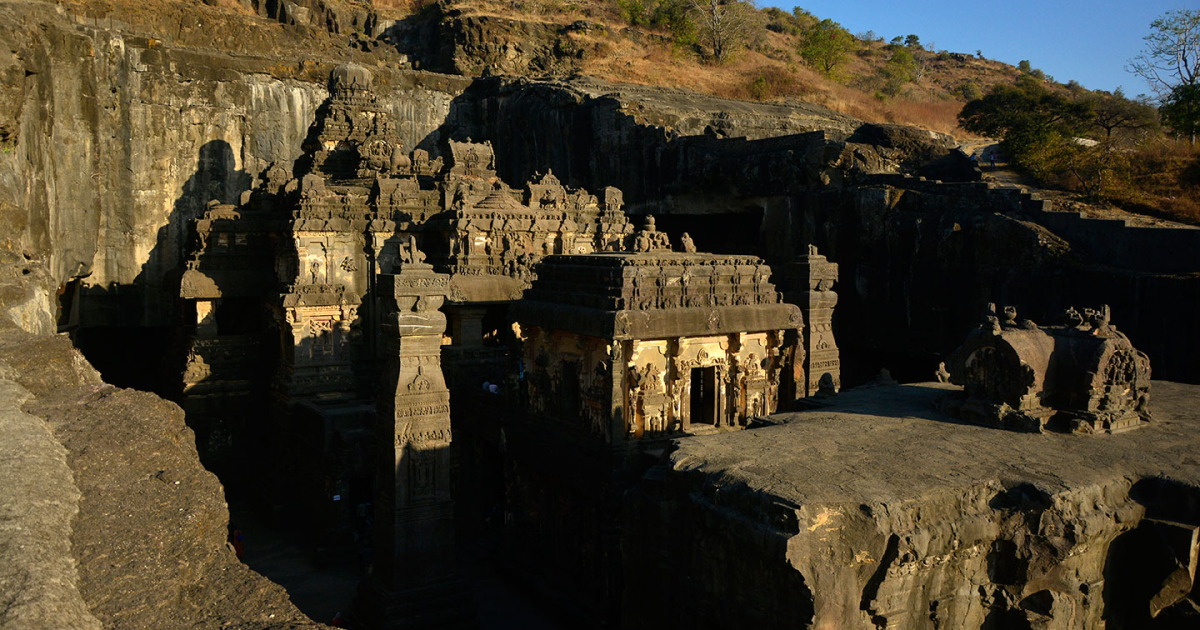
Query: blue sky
[[1067, 39]]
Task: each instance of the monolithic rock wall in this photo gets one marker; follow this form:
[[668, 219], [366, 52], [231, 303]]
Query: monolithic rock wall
[[654, 144], [39, 499], [918, 261], [1112, 242], [115, 141], [920, 258], [107, 518]]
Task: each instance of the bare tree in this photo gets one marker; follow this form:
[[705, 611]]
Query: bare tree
[[725, 25], [1172, 54]]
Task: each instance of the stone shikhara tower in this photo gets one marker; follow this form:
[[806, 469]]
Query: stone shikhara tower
[[413, 583]]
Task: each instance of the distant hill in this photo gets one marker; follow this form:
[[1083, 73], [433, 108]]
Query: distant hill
[[603, 39]]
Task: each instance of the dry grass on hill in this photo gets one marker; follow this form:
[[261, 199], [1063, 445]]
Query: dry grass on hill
[[753, 75], [769, 69], [1164, 180]]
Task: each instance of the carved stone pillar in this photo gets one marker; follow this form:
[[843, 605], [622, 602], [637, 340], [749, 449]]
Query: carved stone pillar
[[817, 304], [413, 583]]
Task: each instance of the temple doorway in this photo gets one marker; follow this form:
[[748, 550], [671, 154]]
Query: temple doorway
[[704, 396]]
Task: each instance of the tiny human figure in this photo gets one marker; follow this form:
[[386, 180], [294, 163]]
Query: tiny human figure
[[338, 621], [992, 160], [235, 539], [974, 160]]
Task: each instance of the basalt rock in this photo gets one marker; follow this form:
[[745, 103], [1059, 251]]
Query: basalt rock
[[109, 520], [840, 518], [1083, 376]]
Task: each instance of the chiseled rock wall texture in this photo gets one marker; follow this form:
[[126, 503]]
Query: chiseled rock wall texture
[[113, 142], [917, 265]]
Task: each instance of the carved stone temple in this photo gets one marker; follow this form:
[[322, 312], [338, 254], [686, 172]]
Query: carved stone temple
[[623, 351], [1082, 376], [341, 319], [454, 320], [651, 344]]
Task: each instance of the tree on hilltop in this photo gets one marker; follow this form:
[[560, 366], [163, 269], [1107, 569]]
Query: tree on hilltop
[[1172, 54], [725, 25], [1031, 121], [826, 45], [1112, 112]]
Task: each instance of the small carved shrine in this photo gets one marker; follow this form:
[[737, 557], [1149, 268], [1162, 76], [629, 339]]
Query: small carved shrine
[[657, 343], [1082, 376]]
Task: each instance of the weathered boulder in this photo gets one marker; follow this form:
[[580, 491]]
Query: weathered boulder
[[147, 546]]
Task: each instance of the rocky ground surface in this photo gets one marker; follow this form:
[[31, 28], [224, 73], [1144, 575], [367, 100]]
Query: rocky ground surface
[[899, 516], [689, 113], [107, 518]]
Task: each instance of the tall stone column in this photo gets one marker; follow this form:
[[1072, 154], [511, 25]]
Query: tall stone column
[[413, 583], [816, 301]]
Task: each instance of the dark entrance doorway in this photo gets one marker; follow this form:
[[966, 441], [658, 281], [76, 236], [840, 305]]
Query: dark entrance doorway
[[704, 396]]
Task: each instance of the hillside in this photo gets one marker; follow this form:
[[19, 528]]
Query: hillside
[[597, 39], [562, 38], [641, 42]]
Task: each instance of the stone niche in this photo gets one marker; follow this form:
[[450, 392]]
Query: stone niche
[[1082, 376], [626, 346]]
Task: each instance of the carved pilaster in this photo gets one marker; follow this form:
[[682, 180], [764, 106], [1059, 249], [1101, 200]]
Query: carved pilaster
[[812, 279]]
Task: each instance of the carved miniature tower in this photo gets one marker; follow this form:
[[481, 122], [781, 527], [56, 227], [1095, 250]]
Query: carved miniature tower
[[815, 276], [413, 584]]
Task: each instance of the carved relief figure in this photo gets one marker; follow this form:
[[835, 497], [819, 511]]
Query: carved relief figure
[[315, 270], [686, 243]]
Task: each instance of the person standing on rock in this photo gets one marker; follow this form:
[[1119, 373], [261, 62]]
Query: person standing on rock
[[992, 160], [235, 539]]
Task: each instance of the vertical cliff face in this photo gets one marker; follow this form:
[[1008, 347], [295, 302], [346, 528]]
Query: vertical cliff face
[[110, 141], [652, 143], [113, 142], [919, 259]]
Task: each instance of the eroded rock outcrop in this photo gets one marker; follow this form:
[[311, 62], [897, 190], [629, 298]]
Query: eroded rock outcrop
[[107, 518], [837, 525]]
